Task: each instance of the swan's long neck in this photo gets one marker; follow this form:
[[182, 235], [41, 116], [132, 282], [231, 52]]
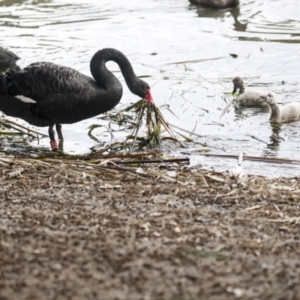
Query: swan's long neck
[[104, 77], [275, 112], [241, 88]]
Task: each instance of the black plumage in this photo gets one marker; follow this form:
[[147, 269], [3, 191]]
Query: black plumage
[[218, 4], [64, 95]]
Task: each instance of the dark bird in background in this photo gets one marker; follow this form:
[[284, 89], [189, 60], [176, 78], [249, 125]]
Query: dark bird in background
[[219, 4], [216, 9], [58, 95], [7, 59]]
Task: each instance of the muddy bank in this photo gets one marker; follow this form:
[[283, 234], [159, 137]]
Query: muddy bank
[[71, 231]]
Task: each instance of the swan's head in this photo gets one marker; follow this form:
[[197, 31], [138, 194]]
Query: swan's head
[[237, 83], [143, 90], [269, 98]]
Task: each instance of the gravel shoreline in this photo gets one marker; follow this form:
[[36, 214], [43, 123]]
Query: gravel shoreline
[[77, 231]]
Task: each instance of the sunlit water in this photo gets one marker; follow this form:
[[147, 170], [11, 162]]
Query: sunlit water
[[264, 34]]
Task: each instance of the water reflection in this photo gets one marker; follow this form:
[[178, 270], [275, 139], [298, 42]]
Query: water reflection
[[213, 13], [275, 140], [243, 112], [269, 20]]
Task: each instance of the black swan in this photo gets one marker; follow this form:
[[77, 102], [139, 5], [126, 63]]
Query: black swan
[[62, 95], [248, 98], [219, 4], [7, 58]]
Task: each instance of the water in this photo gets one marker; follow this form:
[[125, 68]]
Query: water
[[264, 34]]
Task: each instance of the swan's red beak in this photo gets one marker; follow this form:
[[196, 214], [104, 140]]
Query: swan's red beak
[[149, 96]]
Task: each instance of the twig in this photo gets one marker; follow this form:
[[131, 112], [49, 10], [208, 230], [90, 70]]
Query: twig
[[195, 60], [225, 109], [190, 132], [15, 128], [153, 161], [30, 130], [256, 138]]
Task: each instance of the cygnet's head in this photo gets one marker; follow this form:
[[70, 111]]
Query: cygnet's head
[[237, 83], [269, 98]]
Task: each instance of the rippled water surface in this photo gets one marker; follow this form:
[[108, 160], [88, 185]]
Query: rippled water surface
[[264, 35]]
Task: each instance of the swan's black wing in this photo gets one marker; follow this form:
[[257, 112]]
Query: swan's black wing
[[14, 107], [42, 79]]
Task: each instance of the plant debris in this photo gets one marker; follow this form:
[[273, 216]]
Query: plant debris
[[153, 126]]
